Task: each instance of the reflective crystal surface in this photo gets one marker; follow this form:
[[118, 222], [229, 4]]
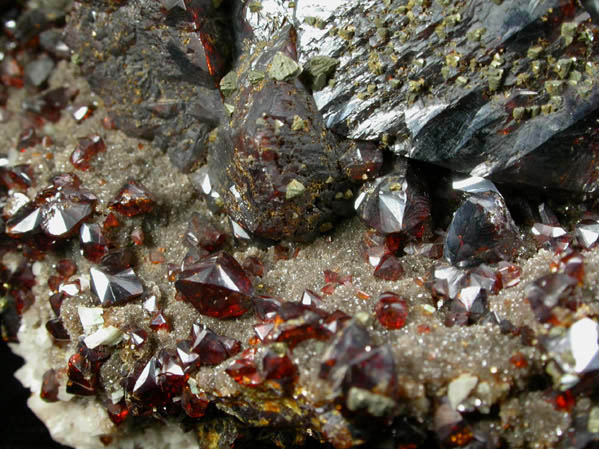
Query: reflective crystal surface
[[133, 199], [216, 286], [395, 203], [115, 289], [482, 230]]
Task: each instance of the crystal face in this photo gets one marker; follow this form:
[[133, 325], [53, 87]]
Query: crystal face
[[87, 148], [482, 230], [133, 199], [115, 289], [391, 310], [216, 286], [395, 203]]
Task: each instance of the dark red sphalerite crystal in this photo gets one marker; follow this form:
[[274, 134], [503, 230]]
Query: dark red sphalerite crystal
[[159, 322], [468, 307], [94, 245], [508, 273], [50, 385], [25, 221], [310, 299], [362, 161], [216, 286], [202, 233], [194, 404], [137, 337], [548, 292], [391, 310], [118, 412], [352, 361], [389, 268], [552, 237], [17, 177], [587, 233], [87, 148], [27, 139], [56, 302], [245, 371], [66, 268], [482, 230], [278, 368], [115, 289], [396, 203], [266, 307], [132, 200], [56, 328], [212, 348], [254, 265], [117, 260], [83, 368]]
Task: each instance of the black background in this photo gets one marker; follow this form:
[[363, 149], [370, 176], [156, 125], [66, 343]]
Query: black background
[[19, 427]]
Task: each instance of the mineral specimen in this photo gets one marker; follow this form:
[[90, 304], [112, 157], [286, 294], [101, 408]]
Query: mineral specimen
[[201, 283]]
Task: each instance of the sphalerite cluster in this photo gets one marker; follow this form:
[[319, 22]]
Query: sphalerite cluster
[[303, 223]]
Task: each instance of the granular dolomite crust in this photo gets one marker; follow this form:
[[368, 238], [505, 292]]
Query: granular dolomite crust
[[476, 382]]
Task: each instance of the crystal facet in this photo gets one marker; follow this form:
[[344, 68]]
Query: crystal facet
[[115, 289], [217, 286]]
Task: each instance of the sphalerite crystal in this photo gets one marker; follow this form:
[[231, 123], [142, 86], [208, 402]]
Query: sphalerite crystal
[[216, 286], [462, 131]]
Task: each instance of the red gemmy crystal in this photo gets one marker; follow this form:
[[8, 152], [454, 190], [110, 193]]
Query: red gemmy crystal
[[548, 292], [254, 265], [572, 264], [56, 301], [508, 273], [66, 268], [57, 330], [202, 233], [389, 268], [159, 322], [212, 348], [216, 286], [552, 237], [362, 161], [344, 348], [482, 230], [50, 385], [17, 177], [194, 404], [81, 379], [468, 307], [266, 307], [171, 377], [27, 139], [310, 299], [372, 370], [296, 323], [117, 412], [137, 236], [244, 370], [115, 289], [94, 245], [395, 203], [132, 200], [86, 149], [391, 310], [110, 222], [137, 337], [587, 233], [278, 368]]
